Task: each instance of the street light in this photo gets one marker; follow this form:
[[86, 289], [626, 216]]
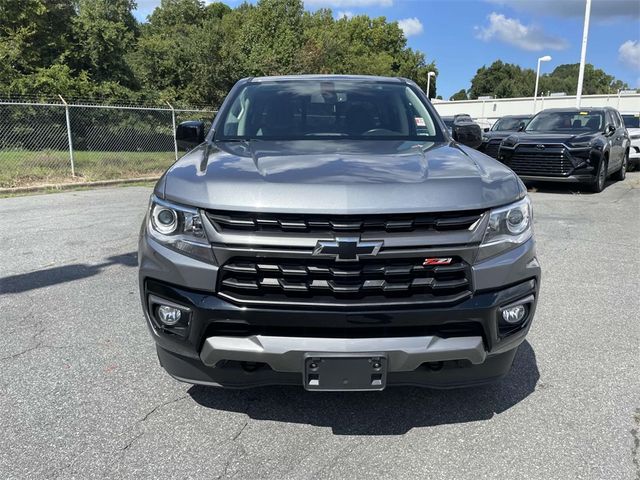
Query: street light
[[429, 75], [583, 54], [546, 58]]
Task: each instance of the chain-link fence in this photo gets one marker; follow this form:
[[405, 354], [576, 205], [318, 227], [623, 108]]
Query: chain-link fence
[[42, 143]]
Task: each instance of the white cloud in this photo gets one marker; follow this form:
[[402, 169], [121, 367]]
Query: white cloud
[[348, 3], [629, 54], [411, 26], [344, 14], [513, 32], [600, 9]]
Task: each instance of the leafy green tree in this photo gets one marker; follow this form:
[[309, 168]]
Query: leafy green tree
[[564, 78], [502, 80], [270, 37], [33, 34], [506, 80], [188, 51], [104, 30], [178, 52], [460, 95]]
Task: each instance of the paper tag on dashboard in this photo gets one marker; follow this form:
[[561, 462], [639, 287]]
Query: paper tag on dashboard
[[420, 122]]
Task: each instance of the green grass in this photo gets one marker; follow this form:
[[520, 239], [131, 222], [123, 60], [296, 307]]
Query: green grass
[[25, 168]]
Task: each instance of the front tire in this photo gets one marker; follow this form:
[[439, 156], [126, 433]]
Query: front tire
[[601, 177], [621, 174]]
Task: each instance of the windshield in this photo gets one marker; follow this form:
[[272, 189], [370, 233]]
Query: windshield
[[509, 123], [631, 121], [566, 122], [316, 109]]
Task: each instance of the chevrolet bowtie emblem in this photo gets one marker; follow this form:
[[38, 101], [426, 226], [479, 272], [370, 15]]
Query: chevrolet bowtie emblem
[[347, 249]]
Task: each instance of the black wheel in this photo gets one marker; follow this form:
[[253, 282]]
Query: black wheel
[[622, 173], [598, 184]]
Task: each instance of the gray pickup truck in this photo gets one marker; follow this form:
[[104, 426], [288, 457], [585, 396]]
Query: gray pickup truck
[[329, 231]]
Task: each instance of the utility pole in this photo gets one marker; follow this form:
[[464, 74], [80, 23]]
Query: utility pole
[[583, 55]]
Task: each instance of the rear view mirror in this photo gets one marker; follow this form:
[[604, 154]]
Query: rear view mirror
[[521, 126], [190, 134], [467, 133], [609, 129]]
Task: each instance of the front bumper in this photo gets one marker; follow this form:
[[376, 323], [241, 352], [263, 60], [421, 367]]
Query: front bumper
[[235, 346], [587, 178], [634, 152]]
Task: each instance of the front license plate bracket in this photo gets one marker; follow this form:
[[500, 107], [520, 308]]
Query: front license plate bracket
[[339, 372]]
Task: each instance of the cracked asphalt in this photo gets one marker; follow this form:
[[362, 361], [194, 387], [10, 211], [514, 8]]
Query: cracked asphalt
[[82, 394]]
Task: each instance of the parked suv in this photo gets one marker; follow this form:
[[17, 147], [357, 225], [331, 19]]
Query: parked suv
[[570, 145], [632, 122], [329, 232], [505, 126]]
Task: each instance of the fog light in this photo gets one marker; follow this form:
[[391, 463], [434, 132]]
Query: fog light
[[169, 315], [514, 314]]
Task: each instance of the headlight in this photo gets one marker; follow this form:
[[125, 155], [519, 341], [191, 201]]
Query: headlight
[[179, 228], [580, 145], [509, 142], [508, 227]]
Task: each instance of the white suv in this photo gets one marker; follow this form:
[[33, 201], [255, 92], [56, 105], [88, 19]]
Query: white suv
[[632, 122]]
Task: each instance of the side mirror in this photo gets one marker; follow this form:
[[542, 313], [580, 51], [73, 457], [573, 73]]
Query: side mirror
[[609, 129], [467, 133], [486, 129], [190, 134], [521, 126]]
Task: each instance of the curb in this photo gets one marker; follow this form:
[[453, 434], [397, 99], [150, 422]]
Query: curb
[[69, 186]]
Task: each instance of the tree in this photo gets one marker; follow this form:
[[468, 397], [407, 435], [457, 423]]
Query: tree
[[188, 51], [34, 34], [564, 78], [104, 30], [506, 80], [178, 53], [460, 95], [502, 80]]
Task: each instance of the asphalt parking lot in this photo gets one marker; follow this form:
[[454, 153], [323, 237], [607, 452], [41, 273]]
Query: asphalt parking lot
[[82, 394]]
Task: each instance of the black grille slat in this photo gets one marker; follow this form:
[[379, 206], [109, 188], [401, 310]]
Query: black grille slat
[[343, 223], [552, 160], [323, 281]]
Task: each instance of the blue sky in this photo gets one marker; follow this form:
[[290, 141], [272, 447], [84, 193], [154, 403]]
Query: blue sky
[[463, 35]]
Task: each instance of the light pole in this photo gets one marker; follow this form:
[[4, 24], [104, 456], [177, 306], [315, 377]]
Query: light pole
[[583, 54], [546, 58], [429, 75]]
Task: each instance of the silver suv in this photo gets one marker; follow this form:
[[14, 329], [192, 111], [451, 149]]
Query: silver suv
[[329, 231]]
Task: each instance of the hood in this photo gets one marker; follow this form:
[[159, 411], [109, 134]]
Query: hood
[[539, 137], [339, 177], [498, 134]]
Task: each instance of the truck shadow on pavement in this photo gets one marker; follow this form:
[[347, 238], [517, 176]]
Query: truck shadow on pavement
[[47, 277], [394, 411]]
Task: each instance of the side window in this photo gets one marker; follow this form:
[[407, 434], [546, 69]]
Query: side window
[[618, 119], [610, 118]]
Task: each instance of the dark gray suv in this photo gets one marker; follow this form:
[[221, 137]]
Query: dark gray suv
[[328, 231]]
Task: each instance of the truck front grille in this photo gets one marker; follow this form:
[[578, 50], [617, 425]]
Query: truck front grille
[[236, 221], [551, 161], [324, 282]]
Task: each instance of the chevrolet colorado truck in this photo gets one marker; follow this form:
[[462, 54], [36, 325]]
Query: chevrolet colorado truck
[[329, 232]]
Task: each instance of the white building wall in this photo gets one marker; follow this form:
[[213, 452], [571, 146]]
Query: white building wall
[[486, 112]]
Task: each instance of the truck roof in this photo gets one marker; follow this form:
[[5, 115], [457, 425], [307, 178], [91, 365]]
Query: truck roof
[[370, 78]]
